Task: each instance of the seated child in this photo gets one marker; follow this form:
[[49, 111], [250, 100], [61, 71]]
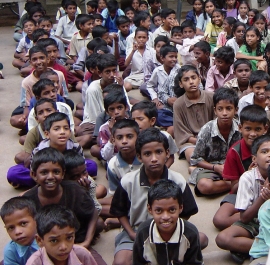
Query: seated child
[[50, 189], [154, 7], [191, 111], [62, 12], [98, 19], [253, 191], [258, 82], [91, 7], [130, 13], [226, 34], [129, 202], [253, 123], [242, 71], [175, 243], [213, 142], [143, 6], [18, 215], [56, 227], [157, 21], [222, 71]]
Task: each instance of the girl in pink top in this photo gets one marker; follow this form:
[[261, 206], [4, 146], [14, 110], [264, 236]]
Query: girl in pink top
[[227, 31]]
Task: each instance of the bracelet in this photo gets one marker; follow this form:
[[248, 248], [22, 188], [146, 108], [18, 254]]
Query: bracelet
[[213, 167]]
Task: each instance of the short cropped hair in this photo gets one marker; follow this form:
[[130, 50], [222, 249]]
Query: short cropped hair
[[53, 215], [115, 97], [37, 33], [93, 4], [122, 20], [126, 123], [203, 45], [226, 94], [161, 38], [106, 60], [184, 69], [36, 49], [165, 189], [81, 19], [99, 31], [140, 16], [241, 61], [226, 53], [70, 3], [40, 85], [98, 16], [54, 117], [96, 42], [18, 203], [35, 9], [42, 101], [47, 42], [29, 20], [151, 2], [258, 142], [72, 160], [148, 108], [91, 61], [176, 29], [253, 113], [267, 88], [112, 87], [45, 18], [112, 6], [188, 24], [258, 76], [151, 135], [141, 29], [102, 48], [47, 155], [165, 12], [47, 73], [164, 50], [154, 16]]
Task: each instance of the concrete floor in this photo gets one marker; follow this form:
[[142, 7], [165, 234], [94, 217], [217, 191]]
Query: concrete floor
[[9, 99]]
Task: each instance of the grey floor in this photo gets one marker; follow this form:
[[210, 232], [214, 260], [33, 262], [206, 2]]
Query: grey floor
[[9, 146]]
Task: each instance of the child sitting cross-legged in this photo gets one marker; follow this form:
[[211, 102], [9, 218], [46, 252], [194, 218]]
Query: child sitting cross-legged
[[166, 238], [129, 202], [56, 228], [213, 142], [48, 170], [253, 191], [18, 215], [253, 123]]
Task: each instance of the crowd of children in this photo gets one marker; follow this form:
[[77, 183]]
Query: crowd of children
[[207, 100]]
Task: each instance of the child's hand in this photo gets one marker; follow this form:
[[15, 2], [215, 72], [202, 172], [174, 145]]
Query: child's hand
[[174, 23], [111, 123], [157, 102], [265, 191], [171, 101], [132, 236], [252, 165], [114, 36], [22, 120], [135, 46], [85, 182], [119, 80], [219, 169], [260, 58]]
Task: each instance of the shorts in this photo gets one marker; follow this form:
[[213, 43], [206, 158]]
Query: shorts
[[165, 118], [17, 111], [123, 242], [230, 198], [252, 227], [136, 80]]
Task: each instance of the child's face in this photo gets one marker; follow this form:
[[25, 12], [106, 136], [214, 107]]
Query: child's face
[[55, 80], [251, 15], [170, 59], [117, 111], [158, 47], [101, 4], [226, 27], [36, 16], [243, 10], [157, 21], [200, 56], [143, 7], [197, 6], [58, 243], [156, 6], [260, 25], [165, 213], [225, 112], [169, 21], [53, 53], [88, 26], [108, 74], [217, 19], [190, 82], [230, 3], [77, 172], [49, 92], [251, 130], [146, 23], [90, 10], [259, 90], [71, 11], [262, 158], [143, 121], [242, 73], [222, 66], [141, 37], [252, 39], [209, 8], [135, 4], [39, 61], [29, 27], [267, 98], [43, 111], [106, 37], [59, 133], [177, 35], [98, 22], [46, 25], [239, 33], [130, 14], [21, 227], [154, 156], [124, 140], [124, 28], [188, 33]]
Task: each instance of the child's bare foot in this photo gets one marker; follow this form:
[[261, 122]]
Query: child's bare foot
[[190, 169], [111, 223]]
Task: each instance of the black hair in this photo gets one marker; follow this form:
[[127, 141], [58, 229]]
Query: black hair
[[231, 21], [91, 61], [106, 60], [54, 117], [244, 2], [102, 48], [29, 20], [258, 34], [164, 50], [151, 135], [47, 73], [226, 94], [267, 50], [223, 13], [36, 49], [141, 29], [112, 87], [203, 46], [179, 91], [98, 16], [115, 97], [165, 189], [225, 53], [142, 2], [53, 215], [18, 203], [154, 16], [258, 142], [70, 3], [241, 61], [262, 17], [235, 5], [188, 24], [202, 2], [122, 20], [126, 123], [129, 8], [255, 11], [149, 108], [40, 85], [72, 160], [81, 19], [96, 42], [37, 33], [236, 25], [165, 12], [112, 6], [45, 18], [267, 88], [176, 29], [204, 12], [99, 31], [42, 101], [36, 9], [253, 113], [93, 4], [258, 76], [140, 16], [47, 155], [161, 38], [29, 5], [151, 2], [47, 42]]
